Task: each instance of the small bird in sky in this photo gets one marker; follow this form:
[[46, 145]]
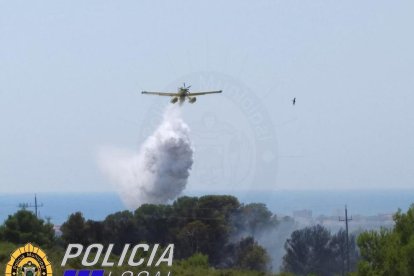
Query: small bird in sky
[[294, 101]]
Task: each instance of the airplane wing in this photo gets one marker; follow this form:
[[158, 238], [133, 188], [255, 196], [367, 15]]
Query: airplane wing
[[160, 93], [204, 93]]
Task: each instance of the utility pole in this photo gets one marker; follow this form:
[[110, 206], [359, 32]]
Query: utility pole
[[35, 206], [347, 237]]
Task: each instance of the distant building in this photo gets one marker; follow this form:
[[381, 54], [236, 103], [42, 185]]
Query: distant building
[[57, 230], [385, 217], [305, 213]]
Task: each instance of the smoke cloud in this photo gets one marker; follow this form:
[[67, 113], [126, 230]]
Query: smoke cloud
[[158, 172]]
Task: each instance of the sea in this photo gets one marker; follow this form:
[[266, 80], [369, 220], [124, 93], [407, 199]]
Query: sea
[[56, 207]]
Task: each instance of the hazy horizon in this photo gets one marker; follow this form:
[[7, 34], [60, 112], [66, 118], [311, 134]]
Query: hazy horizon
[[58, 206]]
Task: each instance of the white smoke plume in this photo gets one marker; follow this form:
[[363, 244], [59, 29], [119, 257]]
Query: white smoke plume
[[158, 172]]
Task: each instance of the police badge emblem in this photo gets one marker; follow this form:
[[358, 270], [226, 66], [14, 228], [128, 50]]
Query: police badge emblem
[[28, 260]]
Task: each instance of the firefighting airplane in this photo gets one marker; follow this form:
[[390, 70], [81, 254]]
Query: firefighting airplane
[[182, 94]]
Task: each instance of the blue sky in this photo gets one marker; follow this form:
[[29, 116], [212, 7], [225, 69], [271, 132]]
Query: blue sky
[[71, 75]]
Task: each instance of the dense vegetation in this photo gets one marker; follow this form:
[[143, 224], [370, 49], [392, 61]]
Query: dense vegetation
[[215, 235], [204, 225], [214, 229], [314, 250], [24, 227], [389, 252]]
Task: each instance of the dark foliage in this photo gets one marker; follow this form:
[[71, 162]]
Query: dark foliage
[[195, 225], [24, 226], [313, 250]]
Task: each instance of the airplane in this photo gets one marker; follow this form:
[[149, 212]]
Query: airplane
[[182, 94]]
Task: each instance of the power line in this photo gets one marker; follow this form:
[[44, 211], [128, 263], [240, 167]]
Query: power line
[[35, 205], [346, 219]]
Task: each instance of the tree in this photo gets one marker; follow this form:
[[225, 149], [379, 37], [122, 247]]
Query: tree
[[184, 208], [74, 229], [120, 228], [153, 222], [192, 238], [95, 231], [338, 247], [253, 218], [250, 255], [389, 251], [24, 226], [315, 250], [216, 211], [197, 226]]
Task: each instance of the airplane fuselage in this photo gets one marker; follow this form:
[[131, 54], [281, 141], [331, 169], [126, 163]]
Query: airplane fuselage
[[182, 95]]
